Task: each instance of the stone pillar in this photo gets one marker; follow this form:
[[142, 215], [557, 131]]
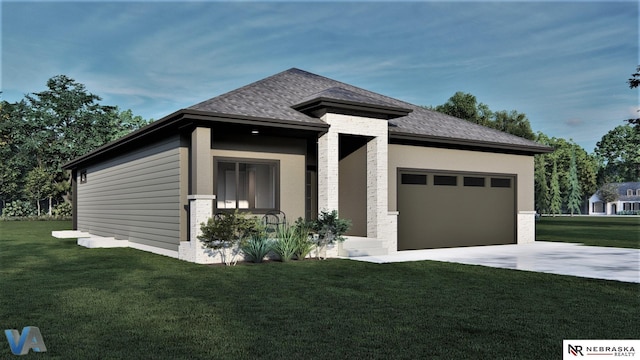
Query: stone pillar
[[377, 187], [200, 210], [526, 225], [328, 171]]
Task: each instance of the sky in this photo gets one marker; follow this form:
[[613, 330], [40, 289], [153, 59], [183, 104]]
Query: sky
[[564, 64]]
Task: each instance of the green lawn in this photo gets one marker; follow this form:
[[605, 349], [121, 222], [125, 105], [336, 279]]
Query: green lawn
[[591, 230], [128, 304]]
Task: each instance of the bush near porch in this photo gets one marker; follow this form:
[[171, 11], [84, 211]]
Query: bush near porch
[[129, 304]]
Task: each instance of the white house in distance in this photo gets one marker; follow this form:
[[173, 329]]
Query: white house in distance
[[628, 200], [407, 177]]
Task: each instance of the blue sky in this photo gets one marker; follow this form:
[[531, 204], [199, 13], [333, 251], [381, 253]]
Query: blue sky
[[564, 64]]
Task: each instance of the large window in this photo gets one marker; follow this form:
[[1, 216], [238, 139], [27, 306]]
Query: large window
[[247, 184]]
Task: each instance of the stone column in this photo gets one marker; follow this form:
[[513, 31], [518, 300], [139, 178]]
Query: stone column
[[200, 210], [328, 171]]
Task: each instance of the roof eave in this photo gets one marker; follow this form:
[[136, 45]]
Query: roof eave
[[530, 149], [391, 112], [193, 115]]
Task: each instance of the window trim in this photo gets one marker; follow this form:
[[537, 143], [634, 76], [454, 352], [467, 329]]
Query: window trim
[[237, 160]]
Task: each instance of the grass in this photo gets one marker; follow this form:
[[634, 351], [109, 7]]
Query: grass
[[613, 231], [128, 304]]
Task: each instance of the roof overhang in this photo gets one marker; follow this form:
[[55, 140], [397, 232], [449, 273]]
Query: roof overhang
[[187, 118], [324, 104], [427, 140]]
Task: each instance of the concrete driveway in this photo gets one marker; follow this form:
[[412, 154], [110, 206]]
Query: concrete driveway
[[547, 257]]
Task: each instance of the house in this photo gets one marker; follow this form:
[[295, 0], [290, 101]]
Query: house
[[628, 200], [407, 177]]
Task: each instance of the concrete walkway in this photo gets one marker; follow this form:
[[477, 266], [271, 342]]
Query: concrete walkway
[[548, 257]]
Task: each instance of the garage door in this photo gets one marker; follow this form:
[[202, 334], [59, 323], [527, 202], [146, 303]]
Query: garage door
[[441, 209]]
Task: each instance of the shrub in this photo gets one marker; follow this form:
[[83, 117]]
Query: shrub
[[226, 232], [330, 228], [62, 210], [18, 208], [256, 248], [304, 242], [285, 242]]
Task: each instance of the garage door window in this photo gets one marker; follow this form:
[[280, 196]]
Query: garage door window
[[414, 179], [473, 181], [500, 183], [445, 180]]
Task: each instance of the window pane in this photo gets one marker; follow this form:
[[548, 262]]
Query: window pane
[[473, 181], [244, 185], [413, 179], [500, 183], [445, 180], [262, 183], [226, 185]]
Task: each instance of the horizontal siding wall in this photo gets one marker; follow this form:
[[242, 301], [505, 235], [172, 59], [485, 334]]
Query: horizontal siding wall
[[134, 197]]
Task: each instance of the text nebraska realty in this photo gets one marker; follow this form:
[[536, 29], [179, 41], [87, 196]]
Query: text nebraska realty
[[610, 350]]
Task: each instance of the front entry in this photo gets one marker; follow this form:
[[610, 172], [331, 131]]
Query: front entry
[[444, 209]]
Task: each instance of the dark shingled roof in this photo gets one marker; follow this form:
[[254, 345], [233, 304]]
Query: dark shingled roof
[[276, 96], [289, 99]]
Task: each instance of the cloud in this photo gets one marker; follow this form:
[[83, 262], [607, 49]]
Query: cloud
[[574, 122]]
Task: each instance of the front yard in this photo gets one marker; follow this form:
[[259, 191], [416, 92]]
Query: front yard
[[615, 231], [128, 304]]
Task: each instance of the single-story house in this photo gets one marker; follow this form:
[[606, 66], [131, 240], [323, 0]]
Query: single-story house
[[407, 177], [628, 200]]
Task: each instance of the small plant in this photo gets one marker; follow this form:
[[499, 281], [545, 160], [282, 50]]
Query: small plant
[[256, 248], [226, 232], [63, 210], [18, 208], [304, 240], [285, 242], [330, 229]]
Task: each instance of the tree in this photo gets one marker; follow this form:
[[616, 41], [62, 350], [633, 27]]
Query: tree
[[634, 81], [66, 121], [465, 106], [541, 185], [39, 185], [586, 166], [514, 123], [619, 154], [575, 192], [608, 193], [555, 203]]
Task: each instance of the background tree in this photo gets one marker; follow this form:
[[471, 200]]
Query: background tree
[[633, 82], [608, 193], [466, 106], [39, 186], [574, 201], [52, 127], [542, 194], [555, 203], [514, 123], [619, 154]]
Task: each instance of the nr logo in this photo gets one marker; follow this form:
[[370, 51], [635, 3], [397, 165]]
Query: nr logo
[[575, 350]]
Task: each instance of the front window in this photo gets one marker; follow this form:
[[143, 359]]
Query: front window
[[247, 184]]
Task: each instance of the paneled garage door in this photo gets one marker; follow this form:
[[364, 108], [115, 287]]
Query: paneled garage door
[[443, 209]]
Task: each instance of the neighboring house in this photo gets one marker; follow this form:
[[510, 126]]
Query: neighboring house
[[628, 200], [407, 177]]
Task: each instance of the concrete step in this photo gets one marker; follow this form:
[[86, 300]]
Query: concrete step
[[361, 246], [102, 242]]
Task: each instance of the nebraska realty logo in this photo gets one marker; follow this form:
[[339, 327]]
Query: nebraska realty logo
[[600, 349]]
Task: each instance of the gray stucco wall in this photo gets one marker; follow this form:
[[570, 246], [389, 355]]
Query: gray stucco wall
[[135, 196]]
